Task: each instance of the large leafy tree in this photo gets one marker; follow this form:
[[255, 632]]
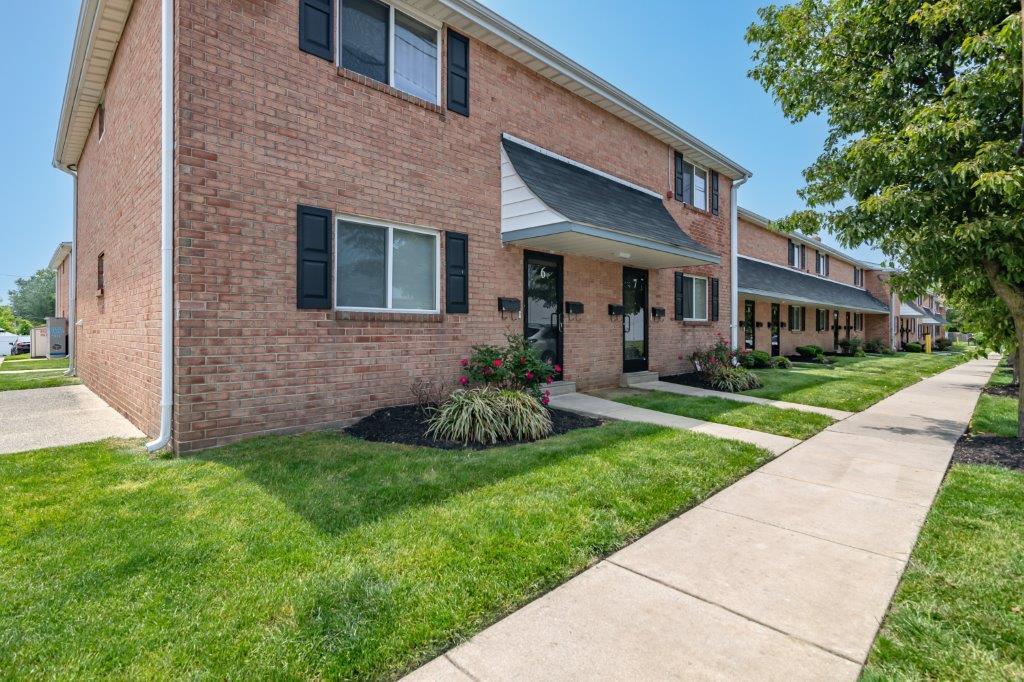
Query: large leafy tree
[[34, 298], [923, 104]]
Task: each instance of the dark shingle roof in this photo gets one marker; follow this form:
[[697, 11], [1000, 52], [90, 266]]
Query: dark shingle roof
[[591, 199], [777, 281]]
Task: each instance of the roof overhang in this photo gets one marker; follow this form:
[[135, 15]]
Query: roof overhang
[[101, 22], [62, 251], [801, 300], [773, 282], [604, 244]]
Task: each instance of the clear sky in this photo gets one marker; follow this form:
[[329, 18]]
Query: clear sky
[[684, 58]]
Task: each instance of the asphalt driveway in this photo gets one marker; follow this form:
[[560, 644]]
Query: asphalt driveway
[[51, 417]]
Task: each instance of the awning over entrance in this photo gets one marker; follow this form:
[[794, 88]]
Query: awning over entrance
[[757, 278], [550, 203], [922, 315], [908, 310]]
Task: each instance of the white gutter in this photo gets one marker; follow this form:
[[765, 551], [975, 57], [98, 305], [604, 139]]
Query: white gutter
[[166, 228], [734, 246], [73, 278]]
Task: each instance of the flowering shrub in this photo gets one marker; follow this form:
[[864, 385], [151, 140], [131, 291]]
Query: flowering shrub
[[706, 362], [516, 366]]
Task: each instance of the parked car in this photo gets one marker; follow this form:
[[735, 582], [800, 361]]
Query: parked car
[[21, 346]]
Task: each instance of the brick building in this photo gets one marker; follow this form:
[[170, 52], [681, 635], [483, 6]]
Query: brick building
[[345, 195], [795, 291]]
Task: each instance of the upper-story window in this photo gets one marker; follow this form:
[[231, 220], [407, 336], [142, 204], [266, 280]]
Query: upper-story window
[[388, 45], [821, 263], [858, 277], [796, 255], [691, 185]]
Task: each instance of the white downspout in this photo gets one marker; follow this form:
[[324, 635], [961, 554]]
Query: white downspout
[[73, 278], [734, 245], [166, 227]]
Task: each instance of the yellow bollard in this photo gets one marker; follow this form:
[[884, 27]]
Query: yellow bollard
[[927, 343]]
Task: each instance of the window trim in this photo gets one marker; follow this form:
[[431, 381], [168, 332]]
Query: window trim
[[796, 255], [678, 157], [693, 301], [339, 218], [412, 13]]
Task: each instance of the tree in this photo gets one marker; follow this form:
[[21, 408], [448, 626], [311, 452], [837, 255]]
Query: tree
[[923, 104], [7, 321], [34, 298]]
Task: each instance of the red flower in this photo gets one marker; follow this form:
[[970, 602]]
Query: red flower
[[463, 380], [529, 376], [550, 380], [545, 400], [463, 362], [558, 369], [488, 371], [497, 363]]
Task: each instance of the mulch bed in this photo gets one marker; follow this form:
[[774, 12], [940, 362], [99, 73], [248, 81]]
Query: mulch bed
[[1001, 391], [408, 425], [994, 450]]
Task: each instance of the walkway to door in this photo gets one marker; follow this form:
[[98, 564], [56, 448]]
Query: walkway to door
[[787, 574]]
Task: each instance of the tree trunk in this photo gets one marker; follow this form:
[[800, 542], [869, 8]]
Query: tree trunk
[[1013, 297]]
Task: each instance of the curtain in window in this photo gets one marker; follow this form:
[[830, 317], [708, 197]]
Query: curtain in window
[[364, 38], [415, 58]]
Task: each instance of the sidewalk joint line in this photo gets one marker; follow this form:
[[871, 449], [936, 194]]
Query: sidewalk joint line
[[448, 657], [737, 613], [845, 490]]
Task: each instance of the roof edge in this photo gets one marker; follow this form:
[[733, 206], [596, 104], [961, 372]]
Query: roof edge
[[768, 224], [62, 251], [84, 33]]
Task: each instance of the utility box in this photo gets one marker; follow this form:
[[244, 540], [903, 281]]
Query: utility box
[[57, 329], [39, 342]]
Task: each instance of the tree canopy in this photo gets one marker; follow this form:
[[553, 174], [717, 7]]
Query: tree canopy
[[34, 298], [923, 104]]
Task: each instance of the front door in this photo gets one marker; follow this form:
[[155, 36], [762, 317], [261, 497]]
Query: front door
[[835, 330], [847, 325], [749, 323], [542, 292], [634, 320], [776, 330]]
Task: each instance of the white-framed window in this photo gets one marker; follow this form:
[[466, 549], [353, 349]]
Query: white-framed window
[[389, 44], [797, 318], [695, 298], [858, 277], [821, 264], [796, 255], [382, 266], [691, 185], [700, 188]]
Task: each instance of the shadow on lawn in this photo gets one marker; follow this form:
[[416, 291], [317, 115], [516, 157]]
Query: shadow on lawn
[[337, 482]]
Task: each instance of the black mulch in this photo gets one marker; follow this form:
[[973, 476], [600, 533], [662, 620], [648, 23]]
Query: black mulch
[[994, 450], [408, 425], [689, 379], [1002, 391]]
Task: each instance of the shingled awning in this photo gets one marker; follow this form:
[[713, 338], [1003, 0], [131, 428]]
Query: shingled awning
[[757, 278], [554, 204]]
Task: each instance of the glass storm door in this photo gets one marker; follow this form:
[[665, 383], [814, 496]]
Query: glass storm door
[[835, 329], [634, 320], [749, 323], [542, 292], [776, 331]]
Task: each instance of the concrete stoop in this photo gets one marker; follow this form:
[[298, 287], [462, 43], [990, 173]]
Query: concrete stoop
[[558, 388], [630, 379]]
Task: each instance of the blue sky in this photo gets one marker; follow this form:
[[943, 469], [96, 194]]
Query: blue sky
[[685, 58]]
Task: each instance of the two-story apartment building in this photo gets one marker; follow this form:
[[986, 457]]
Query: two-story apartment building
[[795, 291], [289, 211]]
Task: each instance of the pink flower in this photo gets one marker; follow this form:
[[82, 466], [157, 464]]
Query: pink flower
[[558, 369], [464, 362], [464, 380], [545, 400], [488, 371], [497, 363], [550, 380], [529, 376]]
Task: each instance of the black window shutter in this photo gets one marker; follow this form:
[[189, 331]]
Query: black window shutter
[[714, 193], [688, 183], [314, 238], [687, 297], [316, 28], [803, 256], [678, 189], [803, 318], [792, 252], [458, 73], [456, 272], [828, 264], [714, 299], [679, 296]]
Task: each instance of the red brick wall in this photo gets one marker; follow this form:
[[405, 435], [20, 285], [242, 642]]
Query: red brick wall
[[263, 127], [118, 344], [61, 288], [878, 326], [773, 247]]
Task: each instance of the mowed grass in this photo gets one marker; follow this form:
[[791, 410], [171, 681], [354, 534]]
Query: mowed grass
[[959, 612], [315, 556], [16, 382], [791, 423], [997, 415], [20, 363], [851, 384]]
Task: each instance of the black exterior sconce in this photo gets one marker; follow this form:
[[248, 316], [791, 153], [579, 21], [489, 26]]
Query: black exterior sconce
[[782, 325], [759, 324], [742, 324], [616, 310]]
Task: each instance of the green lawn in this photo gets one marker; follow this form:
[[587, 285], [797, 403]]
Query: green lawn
[[851, 384], [792, 423], [997, 415], [21, 363], [959, 611], [315, 556], [17, 382]]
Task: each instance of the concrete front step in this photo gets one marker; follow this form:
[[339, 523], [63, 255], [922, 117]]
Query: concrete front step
[[561, 388], [631, 378]]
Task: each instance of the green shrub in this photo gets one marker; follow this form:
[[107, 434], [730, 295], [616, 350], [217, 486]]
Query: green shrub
[[756, 359], [942, 343], [852, 347], [516, 366], [487, 416], [874, 346], [780, 363], [733, 379], [913, 347], [810, 352]]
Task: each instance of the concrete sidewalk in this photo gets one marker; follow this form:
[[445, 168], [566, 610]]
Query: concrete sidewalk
[[785, 575], [693, 391], [602, 408]]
